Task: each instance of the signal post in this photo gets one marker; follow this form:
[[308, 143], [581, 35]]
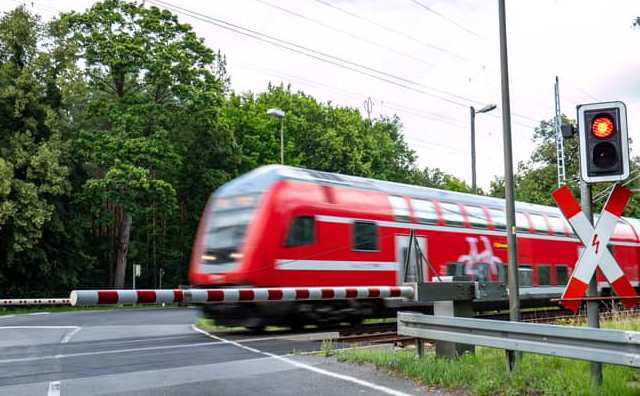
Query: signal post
[[604, 157]]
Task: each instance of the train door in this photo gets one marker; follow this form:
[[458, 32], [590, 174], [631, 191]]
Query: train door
[[402, 249]]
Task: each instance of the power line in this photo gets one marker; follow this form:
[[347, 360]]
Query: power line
[[321, 56], [316, 54], [345, 32], [393, 105], [397, 32], [446, 18]]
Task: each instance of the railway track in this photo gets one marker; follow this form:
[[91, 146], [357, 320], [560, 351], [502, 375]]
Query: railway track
[[383, 333]]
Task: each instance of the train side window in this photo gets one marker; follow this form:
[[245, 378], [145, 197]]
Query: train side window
[[301, 231], [477, 217], [425, 211], [365, 236], [503, 270], [544, 275], [400, 208], [498, 219], [451, 214], [524, 274], [455, 269], [522, 224], [539, 224], [557, 225], [562, 275]]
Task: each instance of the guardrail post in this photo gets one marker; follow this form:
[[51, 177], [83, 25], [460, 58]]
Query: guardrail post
[[450, 297]]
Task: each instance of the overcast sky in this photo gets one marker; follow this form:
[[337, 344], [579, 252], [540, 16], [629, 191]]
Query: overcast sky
[[437, 59]]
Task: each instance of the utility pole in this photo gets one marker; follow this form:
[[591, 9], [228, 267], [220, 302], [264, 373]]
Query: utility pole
[[473, 113], [514, 289], [368, 107], [277, 113], [473, 149], [559, 140]]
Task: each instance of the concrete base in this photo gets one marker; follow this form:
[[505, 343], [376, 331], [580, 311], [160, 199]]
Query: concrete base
[[453, 308]]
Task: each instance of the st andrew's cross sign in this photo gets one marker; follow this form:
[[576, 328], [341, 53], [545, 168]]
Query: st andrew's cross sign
[[596, 253]]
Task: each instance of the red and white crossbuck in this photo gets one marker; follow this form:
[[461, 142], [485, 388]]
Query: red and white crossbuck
[[596, 253]]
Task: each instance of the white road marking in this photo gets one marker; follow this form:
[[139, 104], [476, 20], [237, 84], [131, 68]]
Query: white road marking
[[37, 327], [54, 388], [318, 370], [6, 316], [68, 336], [61, 356], [38, 313]]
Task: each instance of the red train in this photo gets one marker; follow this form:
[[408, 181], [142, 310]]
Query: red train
[[282, 226]]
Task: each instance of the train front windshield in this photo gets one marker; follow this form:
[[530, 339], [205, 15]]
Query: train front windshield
[[227, 223]]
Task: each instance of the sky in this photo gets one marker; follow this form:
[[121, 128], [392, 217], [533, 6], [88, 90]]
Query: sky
[[427, 61]]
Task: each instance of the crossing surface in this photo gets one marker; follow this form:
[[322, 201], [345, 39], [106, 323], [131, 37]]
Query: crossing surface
[[158, 351]]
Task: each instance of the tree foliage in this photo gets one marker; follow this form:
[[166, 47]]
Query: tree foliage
[[116, 125]]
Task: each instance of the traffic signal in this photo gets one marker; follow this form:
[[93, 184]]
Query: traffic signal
[[604, 143]]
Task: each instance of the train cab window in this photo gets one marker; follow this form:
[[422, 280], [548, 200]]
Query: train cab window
[[425, 211], [498, 219], [524, 274], [451, 214], [544, 275], [557, 225], [477, 217], [562, 275], [365, 236], [301, 231], [522, 224], [539, 224], [400, 208]]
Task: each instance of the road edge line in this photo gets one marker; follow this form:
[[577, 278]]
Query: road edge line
[[305, 366]]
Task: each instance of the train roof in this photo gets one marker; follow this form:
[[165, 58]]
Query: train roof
[[262, 177]]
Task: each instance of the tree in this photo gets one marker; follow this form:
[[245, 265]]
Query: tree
[[436, 178], [537, 178], [317, 136], [34, 156], [147, 74]]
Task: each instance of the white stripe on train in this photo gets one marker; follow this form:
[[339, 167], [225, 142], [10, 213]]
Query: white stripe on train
[[334, 265], [461, 230]]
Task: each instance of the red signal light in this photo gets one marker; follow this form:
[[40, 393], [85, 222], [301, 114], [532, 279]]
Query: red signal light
[[602, 127]]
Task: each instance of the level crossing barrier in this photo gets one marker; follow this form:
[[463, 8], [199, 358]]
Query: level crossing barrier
[[34, 301], [169, 296]]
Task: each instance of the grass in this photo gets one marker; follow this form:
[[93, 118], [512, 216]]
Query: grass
[[209, 326], [25, 309], [484, 373]]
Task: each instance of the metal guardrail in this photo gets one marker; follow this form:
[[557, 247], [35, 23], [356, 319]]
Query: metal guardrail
[[600, 345]]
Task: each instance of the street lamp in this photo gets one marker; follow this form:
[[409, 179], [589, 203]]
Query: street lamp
[[473, 112], [279, 114]]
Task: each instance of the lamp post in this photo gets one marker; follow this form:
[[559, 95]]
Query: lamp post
[[279, 114], [473, 113]]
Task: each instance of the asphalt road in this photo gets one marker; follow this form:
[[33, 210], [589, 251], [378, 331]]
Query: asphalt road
[[158, 352]]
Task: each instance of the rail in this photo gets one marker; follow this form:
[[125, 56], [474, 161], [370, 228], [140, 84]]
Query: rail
[[600, 345]]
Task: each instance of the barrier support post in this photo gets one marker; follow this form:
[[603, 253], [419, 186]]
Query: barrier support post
[[450, 298]]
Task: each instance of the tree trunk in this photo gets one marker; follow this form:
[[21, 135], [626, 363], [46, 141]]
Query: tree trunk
[[122, 250]]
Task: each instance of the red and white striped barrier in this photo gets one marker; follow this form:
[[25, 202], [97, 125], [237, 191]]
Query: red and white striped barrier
[[99, 297], [35, 301], [93, 297], [595, 241]]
